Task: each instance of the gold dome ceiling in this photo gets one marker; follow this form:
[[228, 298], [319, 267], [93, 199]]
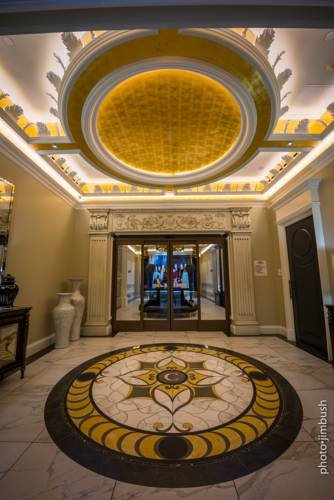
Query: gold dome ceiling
[[169, 121]]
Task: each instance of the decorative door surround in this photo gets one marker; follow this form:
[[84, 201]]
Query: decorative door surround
[[104, 222]]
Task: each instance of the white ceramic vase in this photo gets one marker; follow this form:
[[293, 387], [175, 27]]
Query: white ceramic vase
[[78, 301], [63, 315]]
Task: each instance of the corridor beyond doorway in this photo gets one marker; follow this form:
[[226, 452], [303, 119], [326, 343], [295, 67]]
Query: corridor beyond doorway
[[170, 283]]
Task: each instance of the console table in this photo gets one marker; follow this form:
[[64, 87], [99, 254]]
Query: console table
[[330, 312], [14, 324]]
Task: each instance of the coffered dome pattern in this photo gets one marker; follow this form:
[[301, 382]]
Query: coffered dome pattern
[[169, 121]]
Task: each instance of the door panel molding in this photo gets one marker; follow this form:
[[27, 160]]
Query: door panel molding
[[297, 207]]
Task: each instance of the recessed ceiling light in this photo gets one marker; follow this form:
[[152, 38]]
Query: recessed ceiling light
[[8, 41], [329, 36]]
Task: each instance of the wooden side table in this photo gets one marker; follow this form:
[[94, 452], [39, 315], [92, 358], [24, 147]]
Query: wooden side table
[[14, 325], [330, 312]]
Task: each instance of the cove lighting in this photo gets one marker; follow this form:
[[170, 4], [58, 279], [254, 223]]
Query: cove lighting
[[7, 132], [326, 143]]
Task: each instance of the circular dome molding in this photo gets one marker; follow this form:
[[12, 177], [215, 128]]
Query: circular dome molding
[[226, 87], [221, 55]]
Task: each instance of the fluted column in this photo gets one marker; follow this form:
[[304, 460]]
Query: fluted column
[[99, 277], [243, 314]]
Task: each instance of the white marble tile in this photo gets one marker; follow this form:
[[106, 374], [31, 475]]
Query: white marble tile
[[310, 400], [14, 381], [295, 475], [303, 435], [125, 491], [292, 353], [21, 416], [9, 454], [44, 472], [46, 379], [43, 437]]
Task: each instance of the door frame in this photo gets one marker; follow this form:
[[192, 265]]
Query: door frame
[[201, 325], [296, 206]]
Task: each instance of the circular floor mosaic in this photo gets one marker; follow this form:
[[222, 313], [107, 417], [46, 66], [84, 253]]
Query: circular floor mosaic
[[173, 415]]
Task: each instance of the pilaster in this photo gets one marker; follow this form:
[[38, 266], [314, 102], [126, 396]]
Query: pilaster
[[243, 312], [99, 277]]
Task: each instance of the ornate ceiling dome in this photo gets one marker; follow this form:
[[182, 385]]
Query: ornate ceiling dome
[[168, 121], [168, 108]]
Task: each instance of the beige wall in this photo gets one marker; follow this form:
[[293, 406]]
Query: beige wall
[[42, 255], [326, 194], [268, 289], [80, 249], [40, 246]]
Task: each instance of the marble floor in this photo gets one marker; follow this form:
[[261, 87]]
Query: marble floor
[[32, 467], [209, 311]]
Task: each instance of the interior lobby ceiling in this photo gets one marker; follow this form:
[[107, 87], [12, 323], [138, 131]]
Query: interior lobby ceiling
[[158, 121], [191, 113]]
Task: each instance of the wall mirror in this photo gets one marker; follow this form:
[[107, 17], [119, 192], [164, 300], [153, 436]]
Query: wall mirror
[[6, 205]]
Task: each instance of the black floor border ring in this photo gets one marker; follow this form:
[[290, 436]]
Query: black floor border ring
[[173, 474]]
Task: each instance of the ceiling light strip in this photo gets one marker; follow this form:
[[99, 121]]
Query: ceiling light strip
[[302, 164], [7, 132]]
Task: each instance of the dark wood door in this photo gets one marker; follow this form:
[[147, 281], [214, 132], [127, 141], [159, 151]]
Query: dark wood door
[[305, 288]]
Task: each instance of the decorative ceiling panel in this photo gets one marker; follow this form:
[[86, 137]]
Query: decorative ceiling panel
[[193, 111]]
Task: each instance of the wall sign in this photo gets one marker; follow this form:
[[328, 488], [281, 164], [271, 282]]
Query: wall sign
[[260, 268]]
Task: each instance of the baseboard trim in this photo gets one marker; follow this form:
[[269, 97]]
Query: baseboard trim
[[40, 345], [273, 330], [248, 329], [96, 330]]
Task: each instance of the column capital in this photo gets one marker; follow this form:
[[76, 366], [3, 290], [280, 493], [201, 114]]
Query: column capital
[[240, 220], [99, 220]]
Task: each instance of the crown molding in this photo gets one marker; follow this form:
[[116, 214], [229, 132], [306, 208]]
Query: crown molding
[[172, 205], [302, 181], [8, 149], [85, 57]]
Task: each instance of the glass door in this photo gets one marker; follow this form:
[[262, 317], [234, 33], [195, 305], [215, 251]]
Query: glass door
[[156, 277], [213, 286], [170, 284], [184, 286], [127, 286]]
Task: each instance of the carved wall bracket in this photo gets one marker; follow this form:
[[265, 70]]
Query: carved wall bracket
[[99, 220], [240, 220]]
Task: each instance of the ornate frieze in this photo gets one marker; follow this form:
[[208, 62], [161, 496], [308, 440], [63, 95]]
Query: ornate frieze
[[99, 220], [194, 221]]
